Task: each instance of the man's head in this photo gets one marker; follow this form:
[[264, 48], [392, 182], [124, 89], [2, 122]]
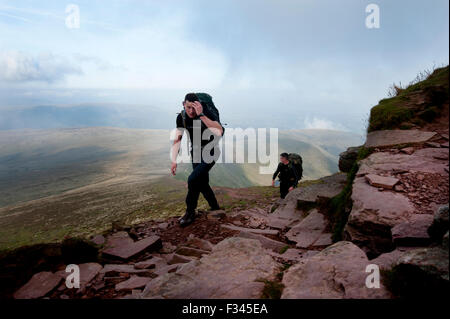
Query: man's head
[[284, 158], [188, 104]]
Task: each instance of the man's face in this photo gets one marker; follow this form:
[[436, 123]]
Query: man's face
[[189, 108], [284, 160]]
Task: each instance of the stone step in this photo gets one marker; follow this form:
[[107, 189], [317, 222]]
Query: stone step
[[268, 243], [134, 282], [120, 245], [39, 285], [309, 230], [112, 270], [251, 230], [385, 138]]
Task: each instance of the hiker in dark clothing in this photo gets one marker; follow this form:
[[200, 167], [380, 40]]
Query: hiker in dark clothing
[[287, 175], [198, 181]]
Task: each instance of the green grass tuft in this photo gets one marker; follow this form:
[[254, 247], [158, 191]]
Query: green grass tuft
[[403, 109]]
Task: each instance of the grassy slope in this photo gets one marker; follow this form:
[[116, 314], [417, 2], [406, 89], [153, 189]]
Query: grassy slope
[[79, 181], [419, 104], [406, 108]]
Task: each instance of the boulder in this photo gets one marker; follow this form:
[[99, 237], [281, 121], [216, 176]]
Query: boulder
[[385, 138], [198, 243], [413, 232], [166, 269], [151, 263], [306, 232], [134, 282], [113, 270], [408, 150], [423, 160], [337, 272], [38, 286], [324, 240], [373, 215], [88, 272], [120, 245], [178, 259], [440, 224], [267, 243], [348, 158], [381, 181], [188, 251], [321, 192], [98, 240], [234, 269], [421, 273], [387, 260], [302, 199]]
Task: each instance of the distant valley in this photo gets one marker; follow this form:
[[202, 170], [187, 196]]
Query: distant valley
[[59, 182]]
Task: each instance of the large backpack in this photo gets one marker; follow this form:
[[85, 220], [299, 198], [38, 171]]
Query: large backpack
[[209, 108], [296, 163]]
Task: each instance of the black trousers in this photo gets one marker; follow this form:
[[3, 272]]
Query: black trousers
[[198, 182], [284, 188]]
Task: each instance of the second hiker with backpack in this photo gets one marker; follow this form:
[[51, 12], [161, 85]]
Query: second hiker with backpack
[[290, 172]]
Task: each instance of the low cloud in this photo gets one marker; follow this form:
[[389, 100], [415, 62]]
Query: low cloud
[[17, 66], [320, 123]]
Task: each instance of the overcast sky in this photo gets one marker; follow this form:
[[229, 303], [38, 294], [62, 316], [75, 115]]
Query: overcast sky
[[314, 61]]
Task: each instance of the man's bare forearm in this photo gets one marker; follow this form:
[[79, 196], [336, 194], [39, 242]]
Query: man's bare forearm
[[176, 149]]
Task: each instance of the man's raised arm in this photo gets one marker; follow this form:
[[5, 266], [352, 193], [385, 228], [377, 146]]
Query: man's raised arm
[[215, 126]]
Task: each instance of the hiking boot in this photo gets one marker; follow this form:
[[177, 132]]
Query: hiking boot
[[187, 219], [215, 208]]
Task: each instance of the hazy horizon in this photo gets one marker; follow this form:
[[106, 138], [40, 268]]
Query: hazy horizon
[[320, 68]]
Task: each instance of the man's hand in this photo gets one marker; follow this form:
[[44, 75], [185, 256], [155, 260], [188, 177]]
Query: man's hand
[[273, 183], [173, 169], [291, 188], [198, 107]]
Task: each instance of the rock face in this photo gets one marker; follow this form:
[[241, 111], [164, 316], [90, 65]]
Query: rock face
[[267, 243], [388, 260], [120, 245], [38, 286], [440, 224], [309, 230], [381, 181], [386, 138], [348, 158], [300, 200], [198, 243], [338, 271], [414, 232], [133, 283], [230, 271], [373, 215], [422, 272], [423, 160], [327, 188]]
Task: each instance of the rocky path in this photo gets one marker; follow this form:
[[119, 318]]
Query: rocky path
[[247, 250], [285, 250]]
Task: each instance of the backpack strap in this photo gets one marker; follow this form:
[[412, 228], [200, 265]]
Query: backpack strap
[[183, 116]]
